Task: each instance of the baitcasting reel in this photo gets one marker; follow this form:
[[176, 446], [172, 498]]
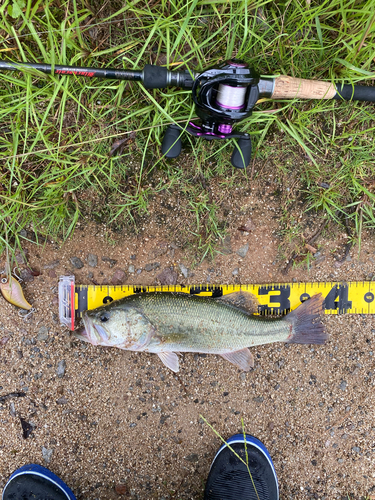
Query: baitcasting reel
[[222, 97]]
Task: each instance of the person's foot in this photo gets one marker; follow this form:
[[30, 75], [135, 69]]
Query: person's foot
[[32, 482], [229, 477]]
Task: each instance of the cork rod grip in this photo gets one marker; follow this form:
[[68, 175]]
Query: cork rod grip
[[287, 87]]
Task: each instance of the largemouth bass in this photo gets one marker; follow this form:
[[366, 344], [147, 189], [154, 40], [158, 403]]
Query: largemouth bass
[[170, 323]]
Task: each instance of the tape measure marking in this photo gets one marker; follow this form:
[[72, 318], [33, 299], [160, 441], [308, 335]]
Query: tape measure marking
[[274, 299]]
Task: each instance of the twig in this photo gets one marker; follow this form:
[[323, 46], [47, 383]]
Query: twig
[[365, 35], [310, 242]]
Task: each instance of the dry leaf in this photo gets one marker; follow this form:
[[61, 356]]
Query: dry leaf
[[119, 145], [310, 248]]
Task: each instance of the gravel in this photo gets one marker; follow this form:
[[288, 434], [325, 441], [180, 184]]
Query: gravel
[[243, 251], [26, 275], [61, 367], [76, 262], [151, 266], [42, 333], [168, 276], [184, 270], [92, 260], [47, 454], [119, 277], [343, 385]]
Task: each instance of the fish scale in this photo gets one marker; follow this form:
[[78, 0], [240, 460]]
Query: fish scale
[[190, 324]]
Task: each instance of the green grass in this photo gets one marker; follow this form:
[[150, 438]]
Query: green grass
[[56, 132]]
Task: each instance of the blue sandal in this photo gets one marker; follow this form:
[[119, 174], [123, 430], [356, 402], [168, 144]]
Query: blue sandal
[[229, 478], [36, 482]]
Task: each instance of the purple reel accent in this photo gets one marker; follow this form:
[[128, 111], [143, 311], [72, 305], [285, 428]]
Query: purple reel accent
[[223, 128]]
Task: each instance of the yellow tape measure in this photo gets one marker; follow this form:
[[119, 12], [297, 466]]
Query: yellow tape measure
[[356, 297]]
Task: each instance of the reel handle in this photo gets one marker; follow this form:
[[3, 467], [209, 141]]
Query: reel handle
[[171, 146], [242, 153]]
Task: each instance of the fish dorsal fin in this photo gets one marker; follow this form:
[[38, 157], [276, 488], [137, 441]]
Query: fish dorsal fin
[[243, 359], [242, 300], [170, 360]]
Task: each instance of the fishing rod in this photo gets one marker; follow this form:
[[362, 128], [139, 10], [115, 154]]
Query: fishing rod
[[223, 95]]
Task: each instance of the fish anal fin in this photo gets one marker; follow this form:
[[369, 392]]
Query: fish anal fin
[[242, 300], [242, 358], [170, 360]]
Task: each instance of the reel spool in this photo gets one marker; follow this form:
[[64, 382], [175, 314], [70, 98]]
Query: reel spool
[[222, 97]]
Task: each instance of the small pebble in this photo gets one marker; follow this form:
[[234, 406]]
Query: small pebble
[[92, 260], [76, 262], [151, 266], [42, 333], [61, 367], [168, 276], [343, 385], [62, 401], [52, 264], [12, 409], [46, 454], [235, 271], [184, 270], [122, 489], [26, 275], [119, 277], [131, 269], [243, 251]]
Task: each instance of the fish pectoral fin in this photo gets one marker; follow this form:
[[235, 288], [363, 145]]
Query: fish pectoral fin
[[242, 300], [170, 360], [243, 359]]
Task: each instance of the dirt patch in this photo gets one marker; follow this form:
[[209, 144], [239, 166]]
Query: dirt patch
[[109, 421]]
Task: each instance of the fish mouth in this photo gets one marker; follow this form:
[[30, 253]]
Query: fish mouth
[[81, 334], [85, 332], [91, 332]]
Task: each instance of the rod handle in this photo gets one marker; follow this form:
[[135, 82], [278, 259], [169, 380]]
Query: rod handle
[[155, 77], [286, 87]]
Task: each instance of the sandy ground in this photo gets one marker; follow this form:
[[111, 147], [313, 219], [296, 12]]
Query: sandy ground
[[117, 424]]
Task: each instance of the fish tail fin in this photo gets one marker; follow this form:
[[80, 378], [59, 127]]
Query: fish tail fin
[[306, 327]]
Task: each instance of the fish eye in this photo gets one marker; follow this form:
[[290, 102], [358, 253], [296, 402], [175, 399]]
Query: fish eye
[[104, 317]]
